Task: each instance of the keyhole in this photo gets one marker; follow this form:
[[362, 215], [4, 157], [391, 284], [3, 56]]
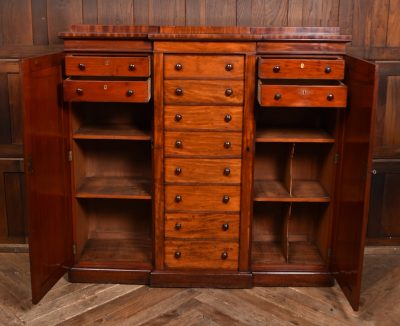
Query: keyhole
[[105, 87]]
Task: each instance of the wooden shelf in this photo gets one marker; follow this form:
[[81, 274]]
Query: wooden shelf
[[302, 191], [114, 187], [119, 132], [113, 253], [293, 135]]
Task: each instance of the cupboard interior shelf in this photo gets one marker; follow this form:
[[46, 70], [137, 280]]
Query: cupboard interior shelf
[[119, 132], [293, 135]]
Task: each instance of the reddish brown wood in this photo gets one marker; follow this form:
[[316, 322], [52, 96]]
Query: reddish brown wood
[[108, 275], [292, 279]]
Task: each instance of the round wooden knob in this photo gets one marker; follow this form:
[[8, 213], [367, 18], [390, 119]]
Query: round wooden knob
[[276, 69], [229, 67], [178, 117], [130, 92], [178, 144], [328, 70], [224, 255], [330, 97], [225, 199], [227, 144], [227, 171], [179, 91], [228, 92], [177, 254], [225, 226], [178, 171], [178, 226], [132, 67], [79, 91], [178, 198], [277, 96], [81, 66], [178, 67], [228, 118]]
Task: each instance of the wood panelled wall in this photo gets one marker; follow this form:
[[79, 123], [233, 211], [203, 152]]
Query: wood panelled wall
[[374, 24]]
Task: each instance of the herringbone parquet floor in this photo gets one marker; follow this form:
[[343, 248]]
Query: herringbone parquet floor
[[86, 304]]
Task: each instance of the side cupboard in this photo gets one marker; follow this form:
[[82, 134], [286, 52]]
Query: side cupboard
[[226, 157]]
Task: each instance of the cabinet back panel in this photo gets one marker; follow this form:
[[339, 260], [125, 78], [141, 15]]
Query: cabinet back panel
[[268, 221], [271, 161]]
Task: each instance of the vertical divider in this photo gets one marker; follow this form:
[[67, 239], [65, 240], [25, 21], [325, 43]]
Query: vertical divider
[[285, 232], [288, 181]]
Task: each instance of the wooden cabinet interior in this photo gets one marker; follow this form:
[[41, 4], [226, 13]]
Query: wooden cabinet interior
[[213, 161]]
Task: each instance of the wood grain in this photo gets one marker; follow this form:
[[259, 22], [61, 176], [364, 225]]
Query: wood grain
[[262, 13], [119, 13], [167, 13]]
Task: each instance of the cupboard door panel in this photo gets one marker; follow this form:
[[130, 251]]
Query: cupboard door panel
[[352, 193], [46, 168]]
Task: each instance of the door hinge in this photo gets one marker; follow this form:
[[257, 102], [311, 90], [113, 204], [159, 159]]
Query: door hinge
[[69, 156], [336, 159], [74, 249]]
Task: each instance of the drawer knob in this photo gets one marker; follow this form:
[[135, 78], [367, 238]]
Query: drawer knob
[[224, 255], [178, 226], [79, 91], [178, 198], [330, 97], [328, 70], [228, 117], [179, 91], [276, 69], [130, 92], [178, 171], [225, 226], [132, 67], [178, 66], [227, 144], [177, 254], [225, 199], [178, 144], [227, 171], [229, 67], [178, 117], [277, 96], [82, 66], [228, 92]]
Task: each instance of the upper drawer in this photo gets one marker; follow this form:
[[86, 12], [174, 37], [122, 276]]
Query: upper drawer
[[106, 91], [203, 66], [203, 92], [107, 66], [301, 68], [302, 95]]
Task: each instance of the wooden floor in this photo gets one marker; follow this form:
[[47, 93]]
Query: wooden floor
[[82, 304]]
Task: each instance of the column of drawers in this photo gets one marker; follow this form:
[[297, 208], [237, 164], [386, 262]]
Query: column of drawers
[[203, 113]]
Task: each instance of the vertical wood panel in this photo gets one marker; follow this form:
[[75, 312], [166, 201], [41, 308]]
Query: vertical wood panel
[[15, 96], [89, 11], [320, 13], [39, 22], [61, 15], [346, 16], [167, 12], [221, 12], [117, 12], [16, 22], [295, 12], [262, 13], [5, 125], [141, 12], [195, 12], [391, 133], [393, 37], [14, 205]]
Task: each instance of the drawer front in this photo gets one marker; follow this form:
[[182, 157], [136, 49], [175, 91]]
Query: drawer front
[[219, 144], [184, 170], [201, 254], [106, 91], [107, 66], [203, 92], [202, 198], [203, 117], [202, 226], [199, 66], [299, 68], [302, 96]]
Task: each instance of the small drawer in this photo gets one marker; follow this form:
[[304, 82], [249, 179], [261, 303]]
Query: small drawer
[[301, 68], [76, 90], [218, 144], [202, 226], [201, 254], [203, 92], [203, 66], [107, 66], [183, 170], [303, 95], [203, 117], [202, 198]]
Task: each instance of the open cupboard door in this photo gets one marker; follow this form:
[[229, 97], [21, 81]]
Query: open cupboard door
[[352, 193], [46, 164]]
